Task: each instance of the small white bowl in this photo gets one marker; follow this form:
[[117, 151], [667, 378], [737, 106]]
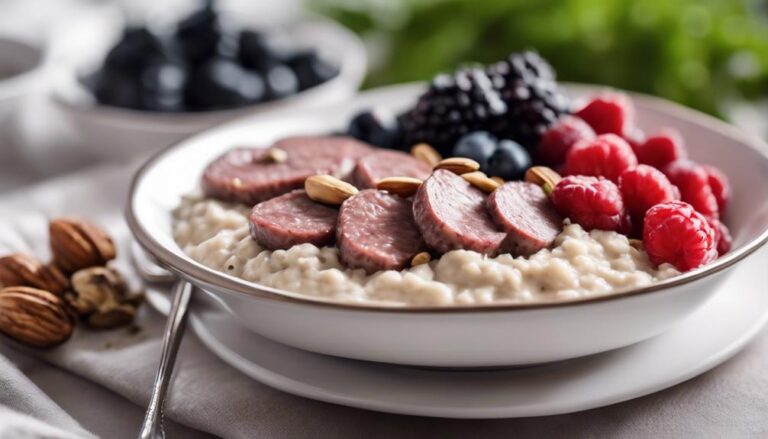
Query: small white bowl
[[20, 76], [458, 336], [108, 132]]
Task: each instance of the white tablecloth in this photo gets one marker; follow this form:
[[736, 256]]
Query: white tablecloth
[[730, 401]]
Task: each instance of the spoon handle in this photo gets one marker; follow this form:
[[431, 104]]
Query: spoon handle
[[152, 427]]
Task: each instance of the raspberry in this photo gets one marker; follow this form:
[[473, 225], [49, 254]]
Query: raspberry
[[609, 113], [674, 233], [661, 149], [721, 187], [722, 236], [643, 187], [606, 156], [693, 182], [594, 203], [560, 137]]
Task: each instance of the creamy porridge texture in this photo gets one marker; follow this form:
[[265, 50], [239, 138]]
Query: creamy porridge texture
[[581, 263]]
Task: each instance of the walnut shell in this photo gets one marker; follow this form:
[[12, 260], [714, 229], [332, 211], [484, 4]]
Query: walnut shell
[[22, 270], [101, 298], [77, 244], [96, 289], [34, 317]]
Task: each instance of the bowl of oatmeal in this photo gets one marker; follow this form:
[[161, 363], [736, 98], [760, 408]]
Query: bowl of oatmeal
[[356, 281]]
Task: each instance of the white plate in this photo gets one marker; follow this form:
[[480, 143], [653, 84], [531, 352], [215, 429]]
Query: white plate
[[707, 338]]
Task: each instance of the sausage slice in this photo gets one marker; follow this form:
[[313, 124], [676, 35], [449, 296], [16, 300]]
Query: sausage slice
[[452, 214], [373, 167], [524, 211], [293, 219], [247, 175], [376, 231]]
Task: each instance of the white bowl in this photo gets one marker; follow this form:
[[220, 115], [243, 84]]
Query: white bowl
[[459, 336], [109, 132], [20, 76]]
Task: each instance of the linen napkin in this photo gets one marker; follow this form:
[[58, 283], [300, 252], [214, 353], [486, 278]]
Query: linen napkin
[[209, 395]]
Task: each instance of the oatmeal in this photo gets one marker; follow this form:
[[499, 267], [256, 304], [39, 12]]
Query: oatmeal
[[580, 264]]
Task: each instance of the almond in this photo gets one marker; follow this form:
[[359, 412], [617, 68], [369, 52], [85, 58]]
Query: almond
[[328, 190], [426, 154], [276, 155], [481, 181], [78, 244], [402, 186], [498, 180], [34, 317], [458, 165], [22, 270], [543, 176], [421, 258]]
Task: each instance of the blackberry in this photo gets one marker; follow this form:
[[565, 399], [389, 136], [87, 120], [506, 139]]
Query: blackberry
[[527, 85], [454, 105]]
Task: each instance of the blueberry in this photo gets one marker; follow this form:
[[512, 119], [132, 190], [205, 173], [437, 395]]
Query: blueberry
[[281, 81], [509, 161], [222, 83], [164, 76], [129, 55], [377, 127], [163, 83], [310, 69], [254, 51], [228, 45], [478, 146]]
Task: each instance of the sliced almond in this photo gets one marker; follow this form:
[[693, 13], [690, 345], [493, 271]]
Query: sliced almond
[[426, 154], [328, 190], [543, 176], [637, 244], [498, 180], [481, 181], [402, 186], [421, 258], [458, 165], [276, 155]]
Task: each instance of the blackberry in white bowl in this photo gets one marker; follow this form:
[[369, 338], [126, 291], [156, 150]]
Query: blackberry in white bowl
[[201, 65], [131, 88]]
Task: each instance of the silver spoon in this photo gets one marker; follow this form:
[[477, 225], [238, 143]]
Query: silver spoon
[[152, 427]]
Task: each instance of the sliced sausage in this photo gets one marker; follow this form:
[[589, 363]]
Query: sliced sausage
[[524, 211], [373, 167], [376, 231], [293, 219], [452, 214], [246, 175]]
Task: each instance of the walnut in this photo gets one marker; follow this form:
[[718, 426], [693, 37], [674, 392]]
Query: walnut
[[26, 271], [77, 244], [101, 298], [34, 317]]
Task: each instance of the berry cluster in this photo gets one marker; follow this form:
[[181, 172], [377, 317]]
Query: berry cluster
[[511, 115], [495, 115], [201, 65], [618, 179]]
